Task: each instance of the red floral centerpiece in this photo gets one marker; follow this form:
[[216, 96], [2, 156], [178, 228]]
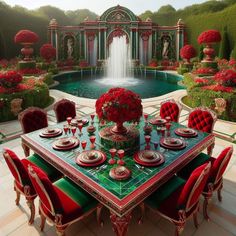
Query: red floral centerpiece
[[208, 37], [26, 38], [187, 52], [119, 105], [10, 79], [47, 52]]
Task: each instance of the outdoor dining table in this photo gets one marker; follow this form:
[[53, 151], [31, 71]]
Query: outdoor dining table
[[120, 197]]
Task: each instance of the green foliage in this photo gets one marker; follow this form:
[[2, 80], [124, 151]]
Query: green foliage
[[233, 53], [48, 79], [26, 65], [167, 9], [78, 16], [38, 97], [224, 51], [201, 54], [182, 70], [200, 97]]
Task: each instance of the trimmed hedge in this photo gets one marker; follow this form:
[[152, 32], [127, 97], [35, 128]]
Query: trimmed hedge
[[38, 97], [199, 97]]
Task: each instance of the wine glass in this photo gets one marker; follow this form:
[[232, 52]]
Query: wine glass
[[163, 130], [168, 125], [69, 119], [83, 144], [92, 118], [168, 119], [92, 140], [80, 126], [145, 115], [66, 128], [121, 154], [112, 151], [73, 130], [155, 145], [147, 140]]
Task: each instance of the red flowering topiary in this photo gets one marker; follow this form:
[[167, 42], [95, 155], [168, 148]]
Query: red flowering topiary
[[226, 78], [209, 36], [47, 52], [119, 105], [26, 36], [218, 88], [205, 71], [187, 52], [10, 79]]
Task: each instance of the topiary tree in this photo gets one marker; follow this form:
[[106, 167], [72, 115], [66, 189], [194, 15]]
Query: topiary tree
[[224, 51], [201, 54], [47, 52], [187, 52], [233, 53]]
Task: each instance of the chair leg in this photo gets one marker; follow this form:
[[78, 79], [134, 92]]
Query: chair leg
[[17, 197], [26, 150], [31, 206], [195, 219], [43, 220], [205, 206], [99, 211], [179, 229], [60, 230], [219, 193], [142, 206]]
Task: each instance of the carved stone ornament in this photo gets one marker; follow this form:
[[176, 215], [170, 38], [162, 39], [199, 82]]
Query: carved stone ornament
[[16, 106], [220, 105]]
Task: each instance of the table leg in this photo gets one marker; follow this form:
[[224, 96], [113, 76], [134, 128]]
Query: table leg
[[210, 149], [26, 149], [120, 224]]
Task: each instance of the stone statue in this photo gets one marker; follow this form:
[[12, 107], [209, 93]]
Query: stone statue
[[165, 49], [69, 48]]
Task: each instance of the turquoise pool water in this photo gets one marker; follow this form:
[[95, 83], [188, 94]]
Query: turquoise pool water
[[92, 86]]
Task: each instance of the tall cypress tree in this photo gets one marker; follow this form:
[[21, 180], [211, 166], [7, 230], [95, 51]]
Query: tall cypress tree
[[201, 54], [224, 51]]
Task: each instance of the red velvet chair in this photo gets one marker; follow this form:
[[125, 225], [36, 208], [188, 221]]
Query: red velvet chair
[[22, 183], [176, 200], [63, 109], [31, 119], [215, 180], [170, 108], [62, 202], [202, 119]]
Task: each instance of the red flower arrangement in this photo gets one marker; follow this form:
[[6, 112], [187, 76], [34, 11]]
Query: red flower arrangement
[[119, 105], [201, 80], [10, 79], [187, 52], [26, 36], [205, 71], [209, 36], [47, 52], [218, 88], [226, 78]]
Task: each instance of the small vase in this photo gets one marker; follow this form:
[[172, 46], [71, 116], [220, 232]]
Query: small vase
[[27, 51], [209, 52], [119, 128]]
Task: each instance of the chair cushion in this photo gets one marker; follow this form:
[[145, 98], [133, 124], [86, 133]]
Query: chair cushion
[[170, 109], [64, 109], [192, 165], [164, 192], [74, 200], [201, 120], [34, 120], [188, 188], [52, 173]]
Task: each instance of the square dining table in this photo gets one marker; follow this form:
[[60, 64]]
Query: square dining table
[[120, 197]]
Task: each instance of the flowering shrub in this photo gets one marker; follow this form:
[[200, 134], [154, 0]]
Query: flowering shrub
[[10, 79], [204, 71], [30, 71], [26, 36], [153, 63], [226, 77], [119, 105], [209, 36], [187, 52], [83, 63], [47, 52], [201, 80], [218, 88]]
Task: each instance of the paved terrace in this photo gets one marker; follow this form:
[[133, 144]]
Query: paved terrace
[[13, 219]]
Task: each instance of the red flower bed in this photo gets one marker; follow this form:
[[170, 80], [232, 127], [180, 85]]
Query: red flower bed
[[201, 80], [47, 52], [83, 64], [26, 36], [187, 52], [209, 36], [226, 77], [218, 88], [153, 63], [30, 71], [205, 71], [10, 79], [119, 105]]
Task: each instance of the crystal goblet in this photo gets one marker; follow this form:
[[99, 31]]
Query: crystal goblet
[[121, 154], [112, 151]]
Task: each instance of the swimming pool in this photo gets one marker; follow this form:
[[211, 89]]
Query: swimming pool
[[147, 85]]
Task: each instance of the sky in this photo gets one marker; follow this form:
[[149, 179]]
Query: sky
[[99, 6]]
